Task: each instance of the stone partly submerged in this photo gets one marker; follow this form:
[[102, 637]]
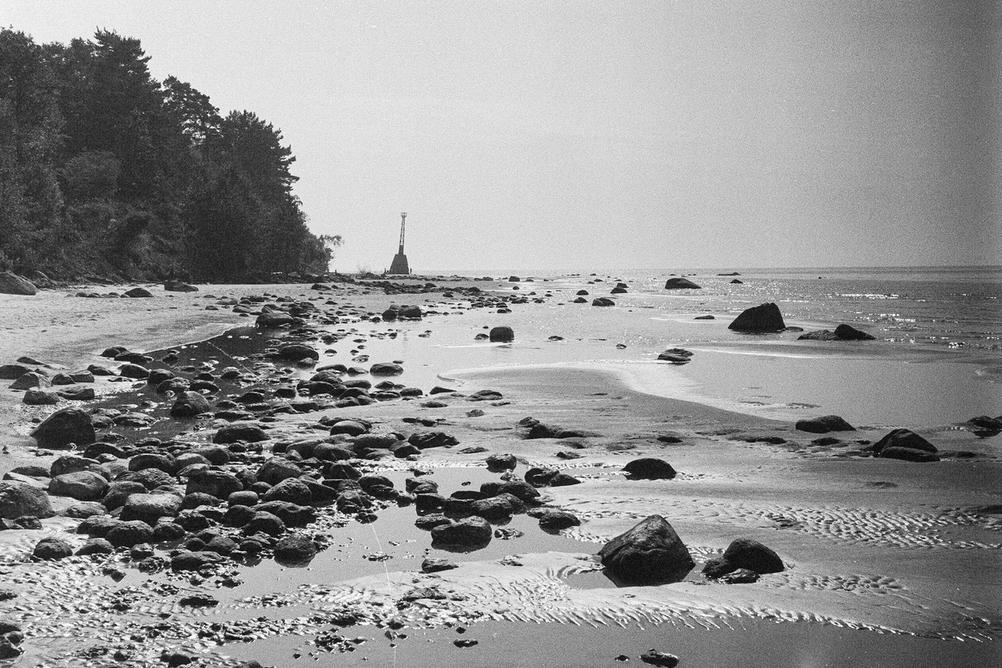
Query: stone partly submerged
[[759, 319], [649, 553], [12, 284], [905, 444], [681, 284]]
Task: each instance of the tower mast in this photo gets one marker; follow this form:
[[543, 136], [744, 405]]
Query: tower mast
[[399, 264]]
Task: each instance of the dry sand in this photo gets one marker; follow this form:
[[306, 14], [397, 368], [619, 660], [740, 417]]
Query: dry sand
[[888, 562]]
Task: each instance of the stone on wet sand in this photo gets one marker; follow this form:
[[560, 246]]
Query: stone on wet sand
[[824, 424], [649, 468], [661, 659], [759, 319], [295, 550], [552, 520], [502, 334], [753, 555], [65, 426], [906, 445], [649, 553], [79, 485], [52, 549], [471, 533], [681, 284]]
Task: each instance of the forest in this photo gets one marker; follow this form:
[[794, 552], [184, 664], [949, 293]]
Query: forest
[[106, 172]]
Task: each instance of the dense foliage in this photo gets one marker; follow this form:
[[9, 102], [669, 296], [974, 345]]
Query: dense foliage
[[105, 171]]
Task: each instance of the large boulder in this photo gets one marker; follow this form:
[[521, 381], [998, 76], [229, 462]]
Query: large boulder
[[824, 424], [758, 319], [69, 425], [295, 550], [681, 284], [386, 369], [249, 432], [846, 333], [602, 301], [219, 484], [52, 549], [137, 293], [297, 351], [649, 553], [12, 284], [79, 485], [18, 499]]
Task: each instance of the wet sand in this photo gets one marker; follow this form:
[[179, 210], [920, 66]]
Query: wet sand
[[889, 563]]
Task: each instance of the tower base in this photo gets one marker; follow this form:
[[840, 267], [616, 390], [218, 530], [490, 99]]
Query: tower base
[[399, 264]]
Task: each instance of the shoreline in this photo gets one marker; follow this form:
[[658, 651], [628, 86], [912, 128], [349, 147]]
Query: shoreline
[[853, 532]]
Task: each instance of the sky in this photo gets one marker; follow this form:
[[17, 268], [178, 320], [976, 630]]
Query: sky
[[583, 136]]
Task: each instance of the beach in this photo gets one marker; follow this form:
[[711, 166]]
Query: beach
[[885, 562]]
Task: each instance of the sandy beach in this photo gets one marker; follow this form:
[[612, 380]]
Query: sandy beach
[[886, 562]]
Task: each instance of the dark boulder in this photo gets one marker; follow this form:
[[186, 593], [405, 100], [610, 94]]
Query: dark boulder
[[189, 404], [649, 468], [386, 369], [220, 484], [551, 520], [65, 426], [504, 462], [51, 549], [79, 485], [753, 555], [902, 438], [30, 380], [649, 553], [471, 533], [676, 356], [295, 550], [40, 398], [681, 284], [251, 433], [150, 507], [502, 334], [661, 659], [12, 371], [127, 534], [602, 301], [432, 439], [137, 293], [824, 424], [762, 318], [294, 352], [908, 454], [846, 333]]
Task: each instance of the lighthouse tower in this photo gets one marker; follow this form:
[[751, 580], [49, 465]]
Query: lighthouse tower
[[399, 264]]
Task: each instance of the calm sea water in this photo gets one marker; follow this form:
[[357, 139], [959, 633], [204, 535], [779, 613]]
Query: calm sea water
[[957, 307]]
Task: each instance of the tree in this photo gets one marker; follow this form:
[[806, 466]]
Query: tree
[[331, 243]]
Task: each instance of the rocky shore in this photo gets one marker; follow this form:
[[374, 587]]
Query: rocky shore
[[247, 499]]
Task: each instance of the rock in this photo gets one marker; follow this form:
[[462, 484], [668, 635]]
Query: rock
[[30, 380], [676, 356], [656, 658], [127, 534], [471, 533], [150, 507], [294, 352], [846, 333], [551, 520], [649, 553], [264, 522], [136, 293], [185, 560], [504, 462], [277, 469], [18, 499], [649, 468], [13, 371], [753, 555], [740, 576], [249, 432], [758, 319], [602, 301], [290, 489], [498, 507], [273, 319], [435, 565], [40, 398], [12, 284], [95, 546], [502, 334], [220, 484], [51, 549], [681, 284], [71, 464], [189, 404], [78, 393], [80, 485], [432, 439], [824, 424], [902, 438], [386, 369], [295, 550]]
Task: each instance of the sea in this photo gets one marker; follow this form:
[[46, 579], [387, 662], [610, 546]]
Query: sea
[[936, 360]]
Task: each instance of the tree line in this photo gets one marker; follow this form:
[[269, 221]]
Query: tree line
[[107, 172]]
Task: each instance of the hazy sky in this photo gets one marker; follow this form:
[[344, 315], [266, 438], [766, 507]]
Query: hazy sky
[[591, 135]]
